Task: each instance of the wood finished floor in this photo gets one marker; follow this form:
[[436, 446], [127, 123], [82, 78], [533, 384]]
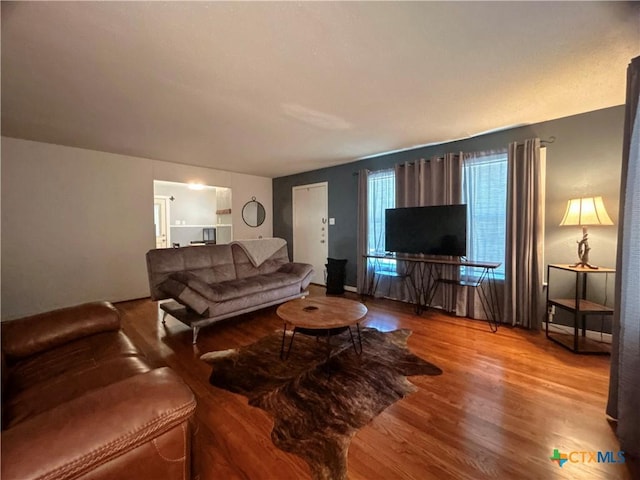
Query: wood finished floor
[[504, 402]]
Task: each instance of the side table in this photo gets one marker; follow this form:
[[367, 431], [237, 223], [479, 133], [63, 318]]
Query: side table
[[579, 306]]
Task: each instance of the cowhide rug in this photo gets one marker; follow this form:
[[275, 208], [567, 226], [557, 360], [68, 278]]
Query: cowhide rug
[[317, 408]]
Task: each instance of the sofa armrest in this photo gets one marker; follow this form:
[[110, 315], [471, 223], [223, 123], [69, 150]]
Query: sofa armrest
[[29, 335], [187, 289], [89, 431], [303, 271], [295, 268]]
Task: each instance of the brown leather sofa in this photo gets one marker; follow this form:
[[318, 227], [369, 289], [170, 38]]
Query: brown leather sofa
[[80, 401]]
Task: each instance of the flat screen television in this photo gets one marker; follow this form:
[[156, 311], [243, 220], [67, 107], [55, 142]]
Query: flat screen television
[[437, 230]]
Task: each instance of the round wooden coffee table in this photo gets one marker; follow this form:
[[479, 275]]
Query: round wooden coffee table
[[321, 317]]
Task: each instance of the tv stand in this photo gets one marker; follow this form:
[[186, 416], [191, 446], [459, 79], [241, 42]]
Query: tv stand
[[426, 275]]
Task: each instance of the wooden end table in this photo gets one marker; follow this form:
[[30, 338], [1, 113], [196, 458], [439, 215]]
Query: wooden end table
[[321, 317]]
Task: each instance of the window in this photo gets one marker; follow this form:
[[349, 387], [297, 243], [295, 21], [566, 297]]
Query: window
[[484, 187], [382, 195]]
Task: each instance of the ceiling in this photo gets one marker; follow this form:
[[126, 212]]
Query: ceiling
[[276, 88]]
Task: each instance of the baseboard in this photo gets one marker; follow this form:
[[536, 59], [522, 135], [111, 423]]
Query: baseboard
[[592, 334], [348, 288]]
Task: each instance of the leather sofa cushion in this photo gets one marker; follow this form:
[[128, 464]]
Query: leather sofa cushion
[[79, 439], [41, 382], [70, 358], [84, 403], [61, 389], [5, 373], [30, 335]]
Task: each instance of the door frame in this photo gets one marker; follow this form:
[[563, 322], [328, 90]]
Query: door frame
[[326, 210]]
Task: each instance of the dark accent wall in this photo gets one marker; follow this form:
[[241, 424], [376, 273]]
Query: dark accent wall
[[584, 160]]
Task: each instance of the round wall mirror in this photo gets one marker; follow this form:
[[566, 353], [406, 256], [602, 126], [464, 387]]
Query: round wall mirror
[[253, 213]]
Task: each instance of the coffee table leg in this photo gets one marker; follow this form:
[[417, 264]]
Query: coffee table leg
[[328, 347], [353, 342], [284, 333], [283, 355]]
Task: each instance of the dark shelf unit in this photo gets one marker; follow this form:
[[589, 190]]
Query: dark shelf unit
[[580, 307]]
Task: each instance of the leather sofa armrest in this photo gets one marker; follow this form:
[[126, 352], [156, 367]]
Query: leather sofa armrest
[[79, 436], [29, 335]]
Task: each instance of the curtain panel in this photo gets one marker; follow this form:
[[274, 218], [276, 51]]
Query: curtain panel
[[524, 235], [437, 181], [363, 230], [624, 384]]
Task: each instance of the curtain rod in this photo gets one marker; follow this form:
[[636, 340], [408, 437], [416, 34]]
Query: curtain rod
[[551, 140]]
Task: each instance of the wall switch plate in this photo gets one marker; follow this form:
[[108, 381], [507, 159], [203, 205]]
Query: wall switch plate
[[332, 221]]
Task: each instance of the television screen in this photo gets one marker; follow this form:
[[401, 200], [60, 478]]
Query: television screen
[[437, 230]]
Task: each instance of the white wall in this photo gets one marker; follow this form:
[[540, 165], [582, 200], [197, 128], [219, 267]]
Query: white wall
[[243, 188], [76, 223], [75, 226]]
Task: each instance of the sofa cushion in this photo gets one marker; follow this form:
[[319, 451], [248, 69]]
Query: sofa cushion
[[210, 263], [303, 271], [180, 286], [245, 303], [43, 381], [72, 357], [223, 291], [84, 403], [30, 335], [83, 437], [47, 394]]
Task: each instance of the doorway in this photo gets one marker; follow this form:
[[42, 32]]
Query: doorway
[[191, 214], [310, 227], [161, 220]]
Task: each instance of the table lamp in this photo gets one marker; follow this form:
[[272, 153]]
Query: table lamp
[[585, 212]]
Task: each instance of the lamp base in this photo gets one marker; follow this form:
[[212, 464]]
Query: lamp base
[[585, 265], [583, 251]]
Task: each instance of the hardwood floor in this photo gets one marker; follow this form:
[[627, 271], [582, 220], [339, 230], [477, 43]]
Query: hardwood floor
[[505, 401]]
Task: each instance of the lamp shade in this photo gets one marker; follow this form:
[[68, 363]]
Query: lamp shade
[[586, 211]]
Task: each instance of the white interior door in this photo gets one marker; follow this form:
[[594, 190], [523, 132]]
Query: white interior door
[[311, 227], [160, 220]]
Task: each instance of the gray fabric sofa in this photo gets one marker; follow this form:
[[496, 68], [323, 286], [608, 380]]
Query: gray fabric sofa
[[214, 282]]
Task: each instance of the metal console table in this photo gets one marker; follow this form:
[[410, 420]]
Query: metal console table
[[425, 275]]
